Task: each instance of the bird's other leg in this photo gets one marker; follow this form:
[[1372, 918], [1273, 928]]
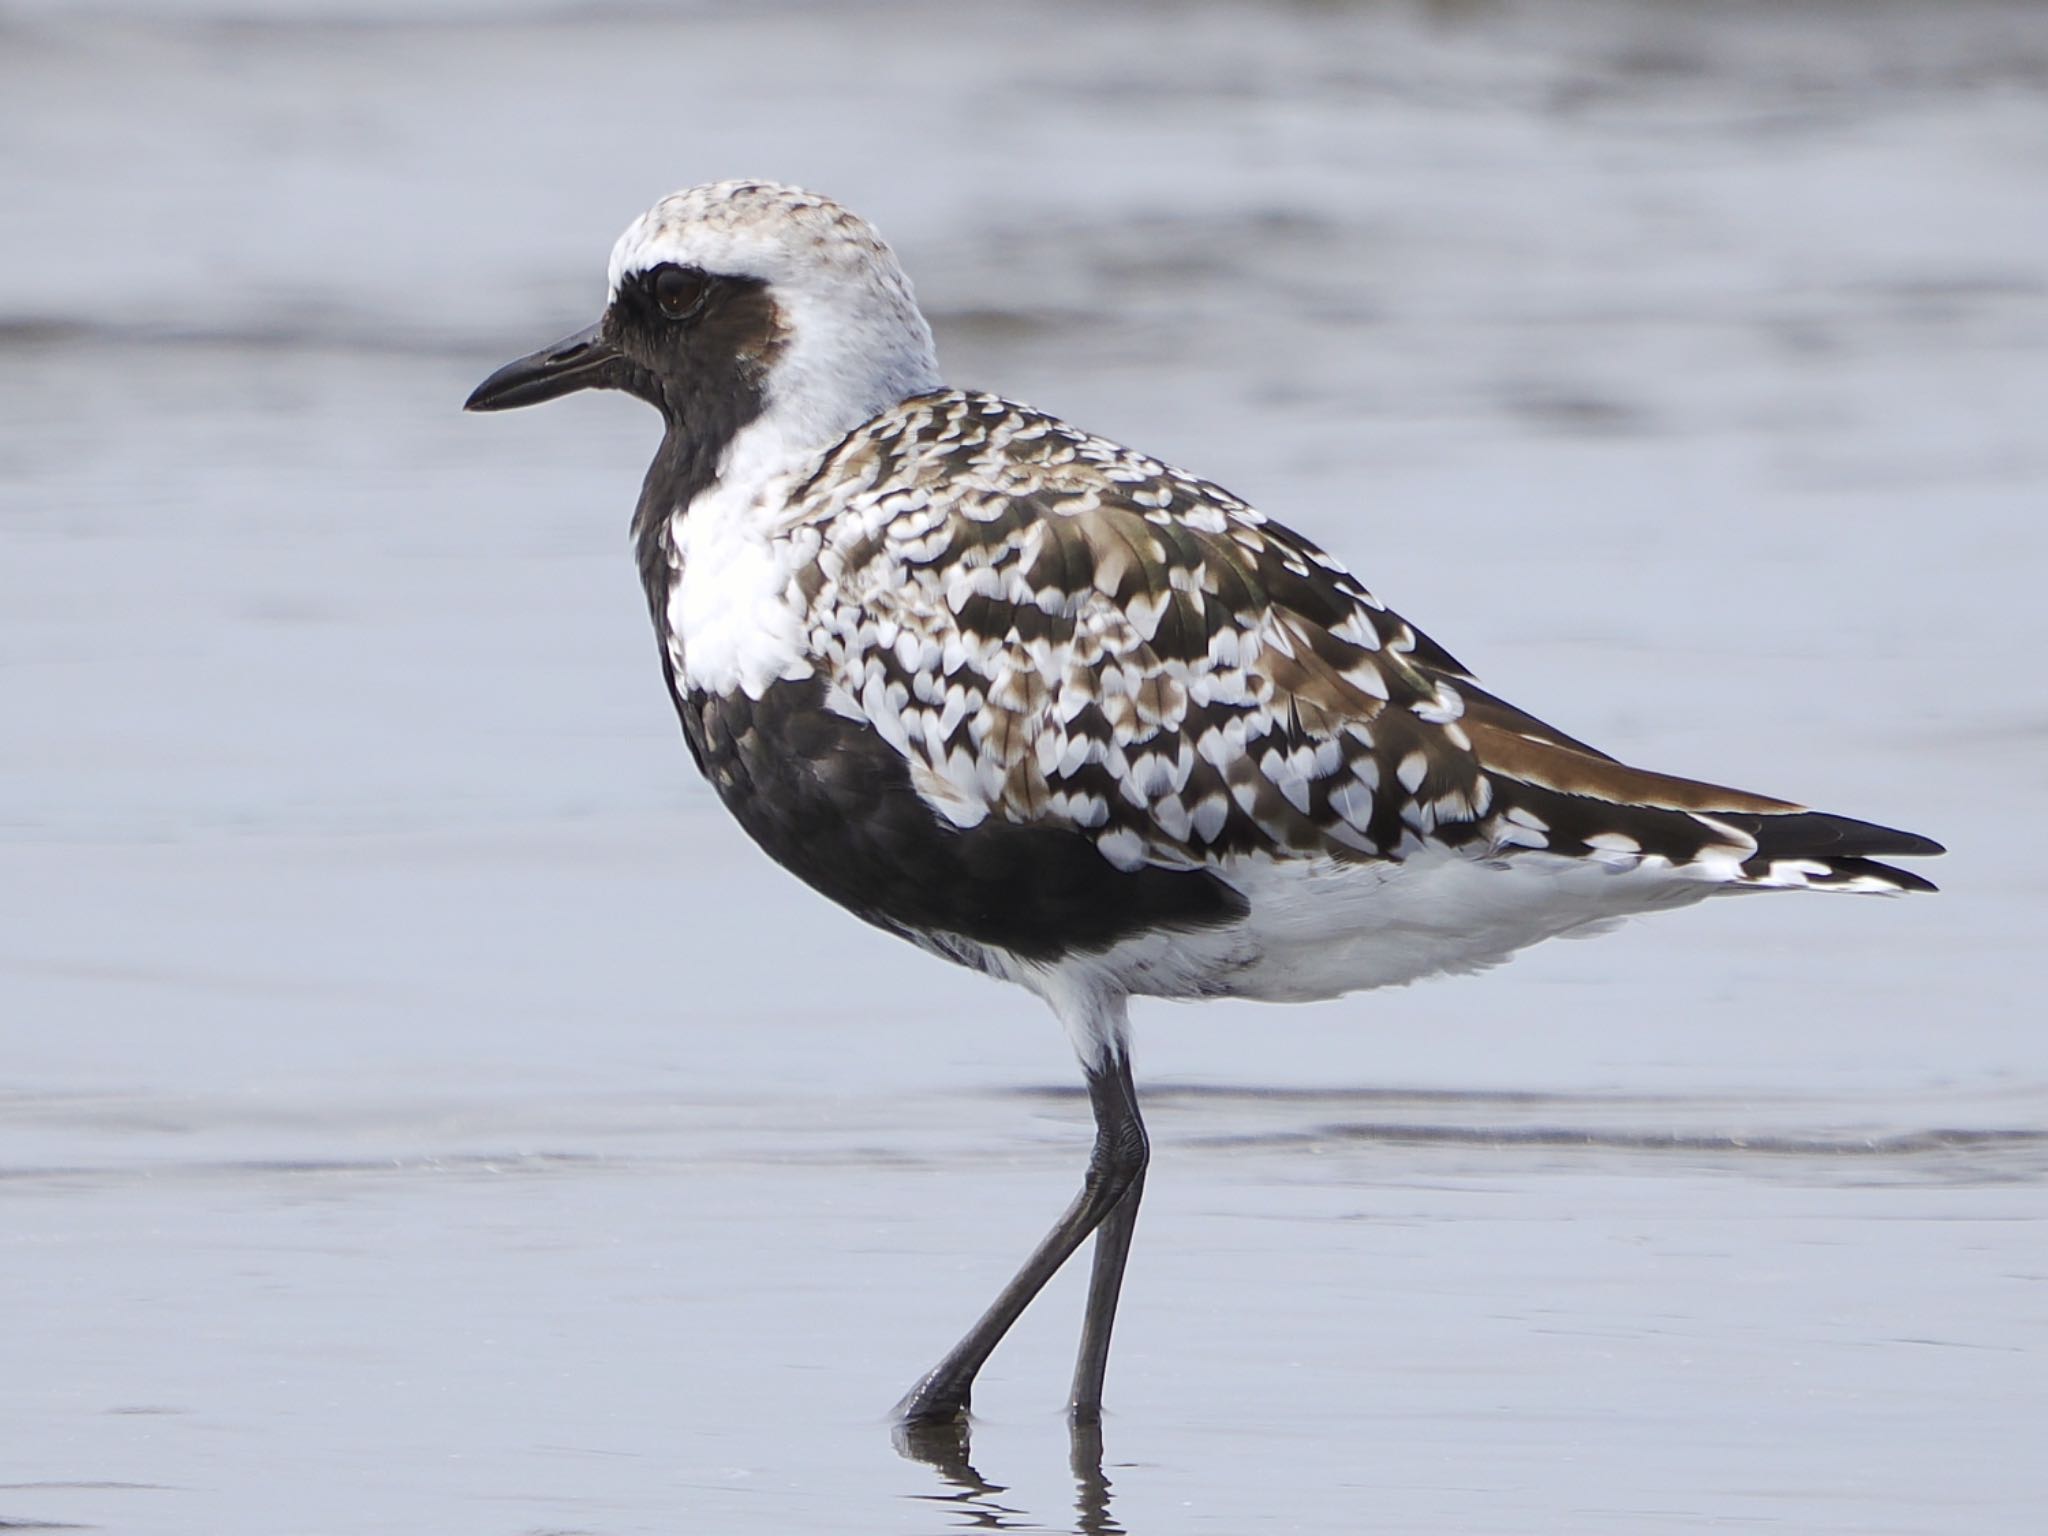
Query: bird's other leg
[[1116, 1164], [1112, 1248]]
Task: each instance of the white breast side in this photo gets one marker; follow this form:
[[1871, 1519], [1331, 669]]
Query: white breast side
[[734, 618]]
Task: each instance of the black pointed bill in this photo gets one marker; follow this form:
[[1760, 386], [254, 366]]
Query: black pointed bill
[[583, 361]]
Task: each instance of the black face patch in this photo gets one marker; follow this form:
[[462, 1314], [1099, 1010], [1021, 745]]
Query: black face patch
[[694, 337], [701, 345]]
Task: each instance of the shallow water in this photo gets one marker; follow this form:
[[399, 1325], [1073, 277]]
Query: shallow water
[[421, 1111]]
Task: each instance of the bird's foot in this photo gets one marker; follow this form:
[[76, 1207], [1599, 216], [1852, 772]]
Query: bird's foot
[[936, 1401]]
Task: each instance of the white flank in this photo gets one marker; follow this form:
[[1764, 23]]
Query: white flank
[[1319, 928]]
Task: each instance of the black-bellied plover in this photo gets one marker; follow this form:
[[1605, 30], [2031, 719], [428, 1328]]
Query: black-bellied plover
[[1062, 713]]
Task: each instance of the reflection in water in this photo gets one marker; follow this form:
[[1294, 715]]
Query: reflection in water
[[1091, 1488], [948, 1450]]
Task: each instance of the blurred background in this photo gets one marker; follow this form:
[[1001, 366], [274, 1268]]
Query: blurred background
[[420, 1110]]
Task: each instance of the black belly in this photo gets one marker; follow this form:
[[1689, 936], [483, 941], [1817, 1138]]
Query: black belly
[[832, 803]]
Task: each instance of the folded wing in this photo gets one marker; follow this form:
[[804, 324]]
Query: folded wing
[[1096, 642]]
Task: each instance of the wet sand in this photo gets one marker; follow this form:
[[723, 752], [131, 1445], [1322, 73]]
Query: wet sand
[[420, 1110]]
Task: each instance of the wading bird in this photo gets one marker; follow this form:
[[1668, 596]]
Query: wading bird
[[1060, 712]]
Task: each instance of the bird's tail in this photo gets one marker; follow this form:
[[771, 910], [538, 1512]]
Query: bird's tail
[[1816, 851], [1560, 794]]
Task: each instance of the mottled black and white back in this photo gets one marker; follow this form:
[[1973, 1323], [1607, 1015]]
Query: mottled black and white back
[[1054, 709]]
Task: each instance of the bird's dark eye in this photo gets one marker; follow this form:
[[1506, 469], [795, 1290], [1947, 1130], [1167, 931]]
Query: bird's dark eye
[[679, 290]]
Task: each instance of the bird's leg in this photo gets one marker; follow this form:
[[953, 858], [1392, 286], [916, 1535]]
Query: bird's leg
[[1105, 1283], [1115, 1169]]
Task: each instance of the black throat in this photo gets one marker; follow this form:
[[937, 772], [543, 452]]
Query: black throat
[[708, 376]]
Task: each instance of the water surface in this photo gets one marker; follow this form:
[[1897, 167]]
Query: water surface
[[421, 1111]]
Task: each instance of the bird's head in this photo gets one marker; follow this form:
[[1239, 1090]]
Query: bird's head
[[743, 300]]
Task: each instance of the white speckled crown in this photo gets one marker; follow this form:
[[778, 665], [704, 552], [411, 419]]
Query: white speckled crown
[[758, 229]]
